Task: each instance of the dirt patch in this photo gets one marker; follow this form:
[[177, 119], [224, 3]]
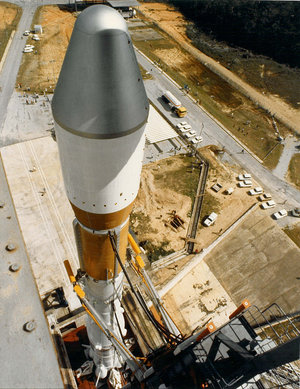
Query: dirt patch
[[9, 18], [165, 186], [40, 70], [294, 233], [174, 24], [170, 185]]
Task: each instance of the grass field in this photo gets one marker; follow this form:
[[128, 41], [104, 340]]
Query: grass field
[[10, 15], [294, 170]]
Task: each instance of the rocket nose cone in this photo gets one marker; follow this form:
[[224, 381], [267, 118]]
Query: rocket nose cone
[[99, 18], [100, 92]]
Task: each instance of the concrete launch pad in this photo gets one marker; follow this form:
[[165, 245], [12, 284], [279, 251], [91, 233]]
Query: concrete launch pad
[[45, 216]]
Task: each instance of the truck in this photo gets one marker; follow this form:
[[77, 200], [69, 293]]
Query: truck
[[175, 104]]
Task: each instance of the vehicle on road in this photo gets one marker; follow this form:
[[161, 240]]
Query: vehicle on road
[[175, 104], [245, 176], [197, 139], [265, 197], [26, 32], [255, 191], [245, 184], [296, 212], [280, 214], [268, 204], [210, 219], [190, 134]]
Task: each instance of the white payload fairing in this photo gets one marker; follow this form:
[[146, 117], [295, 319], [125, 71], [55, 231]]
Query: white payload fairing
[[100, 110]]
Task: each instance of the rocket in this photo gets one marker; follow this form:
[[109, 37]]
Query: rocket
[[100, 109]]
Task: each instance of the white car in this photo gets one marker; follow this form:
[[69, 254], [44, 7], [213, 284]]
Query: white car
[[265, 197], [255, 191], [27, 50], [26, 33], [197, 139], [35, 38], [245, 176], [190, 134], [210, 219], [296, 212], [245, 184], [268, 204], [280, 214], [181, 124], [29, 47], [183, 130]]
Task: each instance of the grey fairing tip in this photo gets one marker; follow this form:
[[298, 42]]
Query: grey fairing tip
[[100, 91]]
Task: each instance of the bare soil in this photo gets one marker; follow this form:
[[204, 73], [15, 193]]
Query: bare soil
[[40, 70], [168, 185], [9, 17], [173, 22]]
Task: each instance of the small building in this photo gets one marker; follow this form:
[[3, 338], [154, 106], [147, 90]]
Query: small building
[[38, 29], [125, 7]]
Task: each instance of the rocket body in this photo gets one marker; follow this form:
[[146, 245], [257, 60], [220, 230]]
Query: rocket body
[[100, 110]]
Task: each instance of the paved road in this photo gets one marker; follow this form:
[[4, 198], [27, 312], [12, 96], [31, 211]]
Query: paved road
[[214, 134], [13, 60]]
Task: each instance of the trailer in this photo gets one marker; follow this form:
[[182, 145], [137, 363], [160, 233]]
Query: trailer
[[175, 104]]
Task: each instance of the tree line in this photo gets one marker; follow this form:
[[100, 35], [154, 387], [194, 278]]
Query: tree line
[[265, 27]]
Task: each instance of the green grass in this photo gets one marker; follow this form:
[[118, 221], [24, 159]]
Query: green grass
[[145, 75], [183, 179], [221, 100], [294, 170], [141, 223], [5, 33], [294, 234], [155, 252]]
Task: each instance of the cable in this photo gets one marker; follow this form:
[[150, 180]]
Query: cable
[[171, 338]]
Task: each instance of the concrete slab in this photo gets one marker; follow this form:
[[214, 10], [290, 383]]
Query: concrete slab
[[26, 121], [45, 216], [145, 34], [259, 262], [197, 299]]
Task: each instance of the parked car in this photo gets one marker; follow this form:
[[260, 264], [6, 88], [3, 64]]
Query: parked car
[[181, 124], [245, 184], [296, 212], [26, 32], [190, 134], [216, 187], [210, 219], [197, 139], [255, 191], [268, 204], [245, 176], [183, 130], [265, 197], [187, 126], [229, 191], [280, 214]]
